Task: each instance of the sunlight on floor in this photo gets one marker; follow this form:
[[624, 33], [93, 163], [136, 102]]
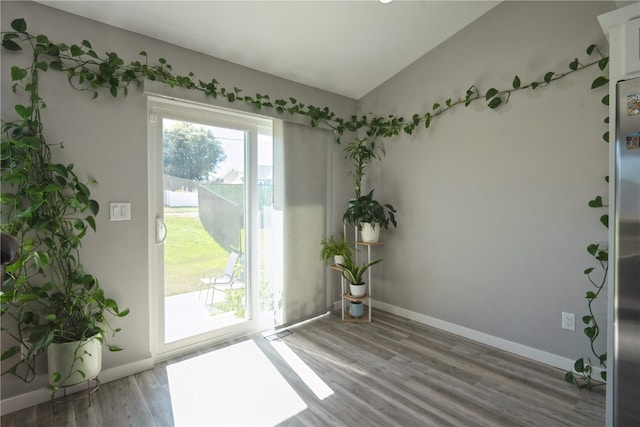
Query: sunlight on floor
[[306, 374], [233, 386]]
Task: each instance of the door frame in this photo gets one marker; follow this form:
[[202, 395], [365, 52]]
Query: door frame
[[157, 108]]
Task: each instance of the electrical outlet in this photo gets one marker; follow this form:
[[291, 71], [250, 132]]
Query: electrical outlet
[[568, 321]]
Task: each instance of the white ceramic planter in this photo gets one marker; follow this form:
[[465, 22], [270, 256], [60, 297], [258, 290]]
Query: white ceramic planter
[[358, 290], [72, 360], [370, 233], [338, 259]]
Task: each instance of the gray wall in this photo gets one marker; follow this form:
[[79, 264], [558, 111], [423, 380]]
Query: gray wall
[[493, 216], [106, 139]]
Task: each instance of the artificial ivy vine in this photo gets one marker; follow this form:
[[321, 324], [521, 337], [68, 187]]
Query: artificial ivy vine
[[88, 71]]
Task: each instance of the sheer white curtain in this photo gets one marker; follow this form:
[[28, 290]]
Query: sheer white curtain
[[303, 162]]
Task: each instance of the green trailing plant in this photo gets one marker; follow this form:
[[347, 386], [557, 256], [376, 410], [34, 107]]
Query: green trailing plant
[[88, 71], [330, 247], [583, 367], [354, 272], [46, 292]]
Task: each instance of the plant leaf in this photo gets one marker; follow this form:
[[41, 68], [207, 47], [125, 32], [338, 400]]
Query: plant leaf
[[495, 102], [599, 81], [19, 25], [516, 82]]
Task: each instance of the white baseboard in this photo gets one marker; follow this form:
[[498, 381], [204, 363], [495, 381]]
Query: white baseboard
[[26, 400], [541, 356]]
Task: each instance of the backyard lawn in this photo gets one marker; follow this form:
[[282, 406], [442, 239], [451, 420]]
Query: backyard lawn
[[188, 251]]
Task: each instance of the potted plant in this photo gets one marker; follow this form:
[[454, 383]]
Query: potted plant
[[335, 250], [354, 273], [369, 216], [360, 152], [47, 299]]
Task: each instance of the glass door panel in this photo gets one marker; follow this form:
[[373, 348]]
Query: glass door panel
[[204, 192]]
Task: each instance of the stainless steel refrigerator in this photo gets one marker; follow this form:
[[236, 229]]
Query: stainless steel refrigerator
[[626, 366]]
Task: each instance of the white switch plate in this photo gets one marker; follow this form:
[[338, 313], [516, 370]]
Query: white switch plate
[[120, 211]]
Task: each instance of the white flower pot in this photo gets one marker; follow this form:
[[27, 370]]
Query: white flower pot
[[358, 290], [338, 259], [75, 362], [370, 233]]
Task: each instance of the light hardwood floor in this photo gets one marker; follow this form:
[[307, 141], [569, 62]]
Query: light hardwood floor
[[391, 372]]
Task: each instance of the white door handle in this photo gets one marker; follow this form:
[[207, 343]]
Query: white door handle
[[161, 231]]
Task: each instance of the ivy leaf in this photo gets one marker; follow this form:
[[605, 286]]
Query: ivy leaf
[[534, 85], [579, 365], [603, 375], [596, 203], [491, 93], [603, 256], [448, 103], [602, 64], [600, 81], [568, 377], [10, 44], [516, 82], [495, 102], [574, 64], [436, 106], [586, 319], [593, 248], [590, 49], [76, 50], [605, 101], [24, 112], [548, 76], [19, 25], [588, 271], [605, 136], [18, 73]]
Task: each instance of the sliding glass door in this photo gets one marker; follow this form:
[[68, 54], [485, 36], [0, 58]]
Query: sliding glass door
[[211, 201]]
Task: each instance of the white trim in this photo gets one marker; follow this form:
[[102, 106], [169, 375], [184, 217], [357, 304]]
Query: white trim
[[32, 398], [506, 345], [535, 354]]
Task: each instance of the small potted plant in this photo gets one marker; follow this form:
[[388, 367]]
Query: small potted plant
[[370, 216], [354, 273], [335, 250]]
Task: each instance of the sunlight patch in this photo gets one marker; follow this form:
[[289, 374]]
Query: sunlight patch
[[233, 386], [306, 374]]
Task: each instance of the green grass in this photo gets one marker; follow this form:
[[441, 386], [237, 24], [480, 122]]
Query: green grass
[[188, 251]]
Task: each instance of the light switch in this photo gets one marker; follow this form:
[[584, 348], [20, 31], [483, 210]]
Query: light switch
[[120, 211]]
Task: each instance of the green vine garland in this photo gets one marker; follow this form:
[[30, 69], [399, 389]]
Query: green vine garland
[[90, 72]]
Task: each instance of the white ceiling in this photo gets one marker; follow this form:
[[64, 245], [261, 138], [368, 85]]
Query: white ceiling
[[344, 47]]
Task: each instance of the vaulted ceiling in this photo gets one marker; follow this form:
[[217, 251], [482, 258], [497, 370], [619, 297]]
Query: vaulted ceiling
[[344, 47]]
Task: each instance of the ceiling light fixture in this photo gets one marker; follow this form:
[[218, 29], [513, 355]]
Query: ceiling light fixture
[[385, 1]]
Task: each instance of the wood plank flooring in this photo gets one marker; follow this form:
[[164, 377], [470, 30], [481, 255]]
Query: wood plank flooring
[[391, 372]]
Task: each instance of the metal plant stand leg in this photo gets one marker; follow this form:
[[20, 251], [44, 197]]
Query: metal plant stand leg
[[91, 388]]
